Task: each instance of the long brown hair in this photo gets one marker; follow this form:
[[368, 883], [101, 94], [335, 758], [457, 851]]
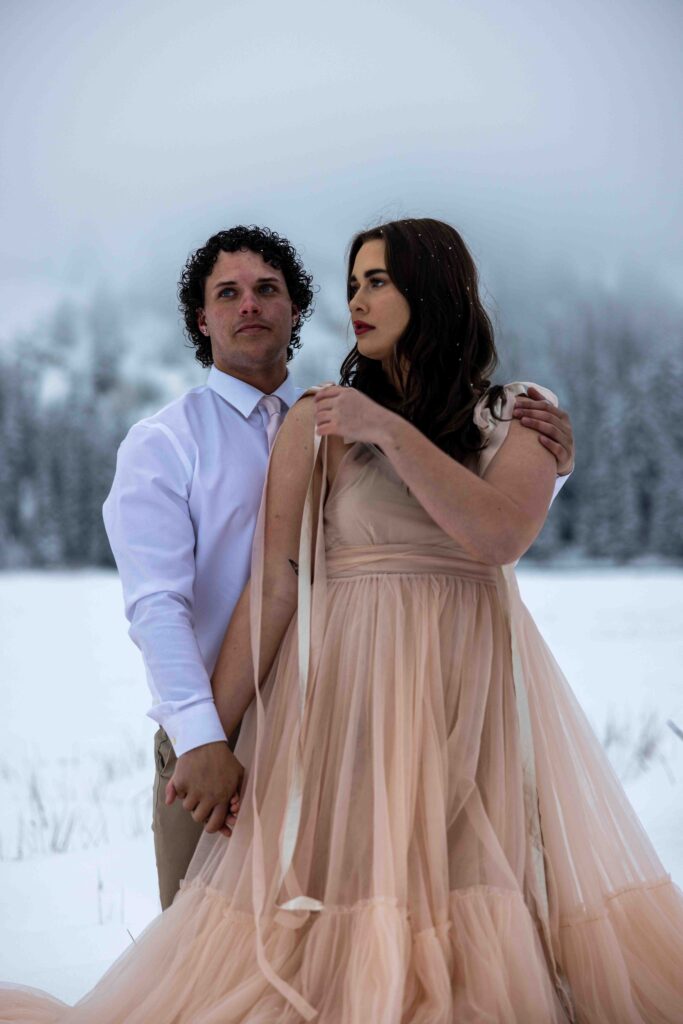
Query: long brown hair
[[447, 347]]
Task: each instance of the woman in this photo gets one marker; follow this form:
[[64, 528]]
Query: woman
[[428, 831]]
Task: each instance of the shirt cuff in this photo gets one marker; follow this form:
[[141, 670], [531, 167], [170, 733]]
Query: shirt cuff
[[194, 726]]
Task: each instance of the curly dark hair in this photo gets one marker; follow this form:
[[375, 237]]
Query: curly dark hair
[[275, 250], [448, 345]]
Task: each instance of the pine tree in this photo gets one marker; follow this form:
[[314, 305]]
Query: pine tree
[[666, 526]]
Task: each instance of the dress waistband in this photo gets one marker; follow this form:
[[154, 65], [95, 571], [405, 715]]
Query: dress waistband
[[346, 562]]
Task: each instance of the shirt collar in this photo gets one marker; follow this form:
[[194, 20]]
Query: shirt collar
[[243, 396]]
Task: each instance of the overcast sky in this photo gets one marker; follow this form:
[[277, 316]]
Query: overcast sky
[[549, 134]]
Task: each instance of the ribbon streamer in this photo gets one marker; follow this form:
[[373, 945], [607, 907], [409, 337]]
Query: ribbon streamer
[[290, 911]]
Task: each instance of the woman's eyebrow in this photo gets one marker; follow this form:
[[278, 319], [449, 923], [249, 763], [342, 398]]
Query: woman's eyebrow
[[369, 273]]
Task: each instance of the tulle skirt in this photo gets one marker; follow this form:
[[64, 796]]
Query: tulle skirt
[[412, 839]]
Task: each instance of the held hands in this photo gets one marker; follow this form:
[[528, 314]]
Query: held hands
[[553, 425], [207, 779], [350, 414]]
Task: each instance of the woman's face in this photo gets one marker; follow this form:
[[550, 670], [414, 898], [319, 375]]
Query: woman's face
[[379, 312]]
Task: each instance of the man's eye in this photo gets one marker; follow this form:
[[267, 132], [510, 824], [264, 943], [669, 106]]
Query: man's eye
[[268, 287], [226, 291]]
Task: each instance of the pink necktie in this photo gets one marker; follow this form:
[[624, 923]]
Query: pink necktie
[[271, 410]]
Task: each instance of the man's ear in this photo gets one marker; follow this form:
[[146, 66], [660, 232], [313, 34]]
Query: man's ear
[[201, 322], [296, 316]]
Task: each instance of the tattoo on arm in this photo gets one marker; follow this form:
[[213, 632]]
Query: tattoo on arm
[[294, 566]]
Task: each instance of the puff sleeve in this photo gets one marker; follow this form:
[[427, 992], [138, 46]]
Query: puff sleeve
[[494, 423]]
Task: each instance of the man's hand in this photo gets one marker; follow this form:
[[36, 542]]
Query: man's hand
[[553, 425], [207, 779]]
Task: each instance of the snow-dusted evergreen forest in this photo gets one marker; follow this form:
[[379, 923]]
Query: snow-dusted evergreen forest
[[70, 388]]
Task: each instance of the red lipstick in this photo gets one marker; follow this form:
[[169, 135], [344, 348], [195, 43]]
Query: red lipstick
[[360, 327]]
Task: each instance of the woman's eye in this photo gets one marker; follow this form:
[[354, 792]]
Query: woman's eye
[[377, 280]]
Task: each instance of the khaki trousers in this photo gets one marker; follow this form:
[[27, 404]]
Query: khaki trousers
[[176, 833]]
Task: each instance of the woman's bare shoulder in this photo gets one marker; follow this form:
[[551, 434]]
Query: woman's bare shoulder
[[297, 430], [300, 420], [296, 436]]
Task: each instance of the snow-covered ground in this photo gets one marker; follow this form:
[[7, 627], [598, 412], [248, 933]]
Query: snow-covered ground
[[77, 875]]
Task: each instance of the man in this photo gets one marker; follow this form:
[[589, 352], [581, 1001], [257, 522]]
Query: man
[[181, 513], [182, 510]]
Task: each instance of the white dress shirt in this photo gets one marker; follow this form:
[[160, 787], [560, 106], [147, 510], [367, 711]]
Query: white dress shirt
[[180, 518]]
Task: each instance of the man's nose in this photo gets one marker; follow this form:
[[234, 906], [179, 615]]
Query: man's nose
[[250, 303]]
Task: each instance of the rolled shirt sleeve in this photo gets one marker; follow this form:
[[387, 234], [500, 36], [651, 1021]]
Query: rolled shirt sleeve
[[152, 537]]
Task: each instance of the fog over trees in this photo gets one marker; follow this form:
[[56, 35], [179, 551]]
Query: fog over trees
[[70, 390]]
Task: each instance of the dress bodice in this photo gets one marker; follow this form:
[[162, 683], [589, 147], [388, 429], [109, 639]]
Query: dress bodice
[[369, 504]]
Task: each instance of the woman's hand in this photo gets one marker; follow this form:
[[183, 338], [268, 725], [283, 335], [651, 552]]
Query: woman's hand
[[350, 414], [231, 819]]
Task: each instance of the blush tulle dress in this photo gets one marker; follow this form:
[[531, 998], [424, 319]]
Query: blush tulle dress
[[430, 831]]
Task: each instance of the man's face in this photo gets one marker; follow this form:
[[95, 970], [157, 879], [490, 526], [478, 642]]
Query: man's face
[[247, 314]]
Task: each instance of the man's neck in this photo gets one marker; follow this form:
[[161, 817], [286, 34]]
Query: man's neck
[[266, 381]]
